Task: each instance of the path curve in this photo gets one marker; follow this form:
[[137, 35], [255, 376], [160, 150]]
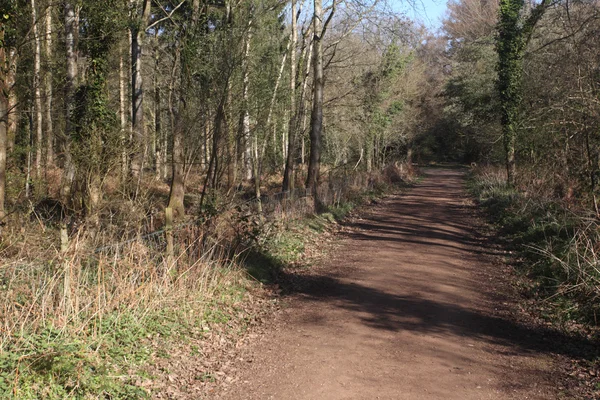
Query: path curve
[[405, 309]]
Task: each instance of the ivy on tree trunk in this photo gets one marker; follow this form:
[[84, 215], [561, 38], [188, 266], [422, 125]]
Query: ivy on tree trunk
[[514, 33]]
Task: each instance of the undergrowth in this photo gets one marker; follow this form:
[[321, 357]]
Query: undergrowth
[[75, 330], [555, 246], [89, 320]]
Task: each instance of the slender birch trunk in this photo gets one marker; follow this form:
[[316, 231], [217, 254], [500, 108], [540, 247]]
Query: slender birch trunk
[[158, 149], [302, 106], [49, 90], [244, 124], [37, 90], [288, 173], [71, 24], [123, 114]]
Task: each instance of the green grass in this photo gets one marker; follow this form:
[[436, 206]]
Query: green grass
[[109, 358]]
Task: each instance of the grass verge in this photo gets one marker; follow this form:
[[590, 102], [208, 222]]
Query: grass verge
[[78, 334]]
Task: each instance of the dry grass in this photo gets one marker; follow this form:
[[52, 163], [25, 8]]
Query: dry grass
[[556, 233], [44, 285], [114, 272], [579, 260], [77, 288]]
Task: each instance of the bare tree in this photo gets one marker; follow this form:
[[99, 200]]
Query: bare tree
[[123, 117], [316, 119], [37, 90], [177, 192], [138, 31], [48, 89], [244, 124], [71, 23], [288, 181], [3, 123]]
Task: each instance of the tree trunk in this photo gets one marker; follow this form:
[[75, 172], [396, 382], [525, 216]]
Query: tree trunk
[[10, 77], [302, 106], [3, 125], [123, 114], [245, 148], [158, 131], [288, 172], [138, 32], [37, 91], [256, 167], [316, 120], [177, 193], [514, 31], [369, 153], [3, 147], [213, 164], [270, 115], [68, 177], [29, 157], [49, 91]]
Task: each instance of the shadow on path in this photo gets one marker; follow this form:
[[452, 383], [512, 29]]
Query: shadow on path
[[434, 220], [386, 311]]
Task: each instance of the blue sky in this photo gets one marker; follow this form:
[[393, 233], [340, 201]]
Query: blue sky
[[429, 12]]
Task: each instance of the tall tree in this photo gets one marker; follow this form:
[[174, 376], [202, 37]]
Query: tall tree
[[288, 173], [97, 128], [71, 23], [123, 107], [49, 96], [37, 89], [316, 119], [514, 32], [139, 23], [244, 123], [184, 54], [3, 121]]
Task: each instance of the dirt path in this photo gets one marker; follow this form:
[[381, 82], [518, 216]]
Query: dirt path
[[406, 309]]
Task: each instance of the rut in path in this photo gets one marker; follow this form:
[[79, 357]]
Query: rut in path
[[404, 311]]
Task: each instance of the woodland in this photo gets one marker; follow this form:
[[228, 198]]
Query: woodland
[[153, 152]]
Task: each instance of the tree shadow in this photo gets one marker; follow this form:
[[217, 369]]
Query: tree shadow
[[419, 224], [391, 312]]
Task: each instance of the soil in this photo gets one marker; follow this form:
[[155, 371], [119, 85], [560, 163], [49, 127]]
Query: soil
[[414, 304]]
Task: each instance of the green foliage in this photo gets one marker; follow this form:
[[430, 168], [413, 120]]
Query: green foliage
[[105, 359], [383, 106], [13, 13], [101, 25], [51, 364]]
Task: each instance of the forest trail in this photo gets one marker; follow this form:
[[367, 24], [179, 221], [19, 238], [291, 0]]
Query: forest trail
[[406, 308]]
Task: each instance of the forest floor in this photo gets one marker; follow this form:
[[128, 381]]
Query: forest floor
[[413, 303]]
